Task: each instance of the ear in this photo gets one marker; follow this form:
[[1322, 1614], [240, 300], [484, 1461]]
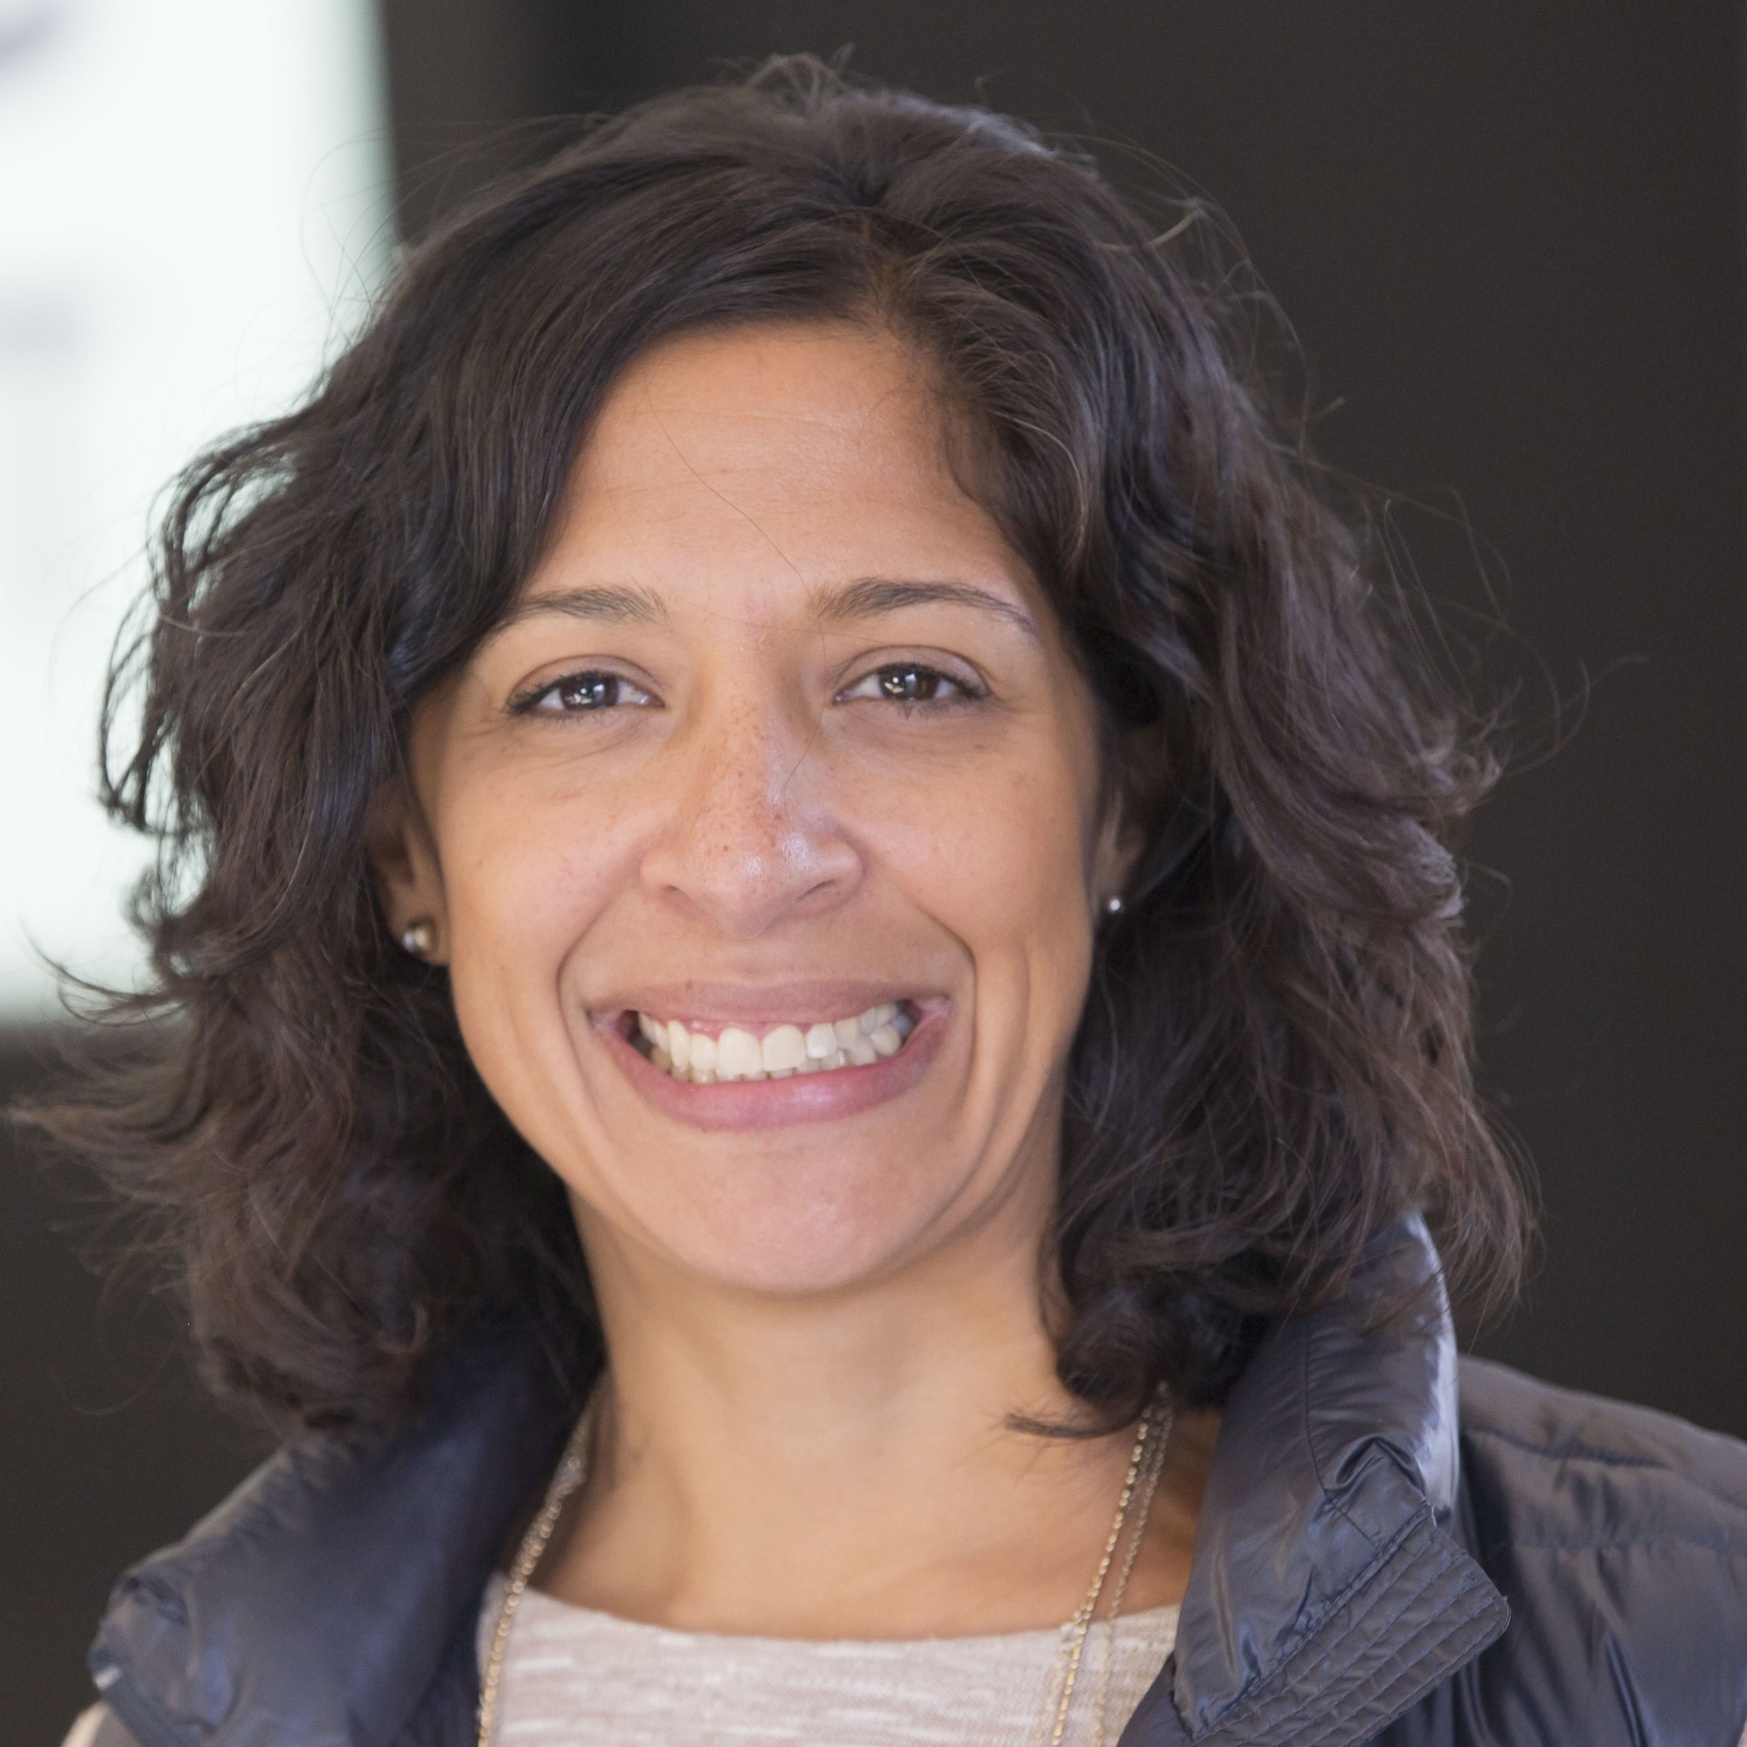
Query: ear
[[1130, 807], [1118, 848], [409, 879]]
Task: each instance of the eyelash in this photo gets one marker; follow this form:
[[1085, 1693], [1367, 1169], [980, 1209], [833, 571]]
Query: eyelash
[[888, 676], [593, 679], [920, 671]]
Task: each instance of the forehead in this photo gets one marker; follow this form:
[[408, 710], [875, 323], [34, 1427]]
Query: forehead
[[786, 455], [816, 397]]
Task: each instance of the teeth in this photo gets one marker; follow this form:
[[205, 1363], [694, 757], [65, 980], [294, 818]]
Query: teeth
[[737, 1055], [858, 1041], [783, 1049]]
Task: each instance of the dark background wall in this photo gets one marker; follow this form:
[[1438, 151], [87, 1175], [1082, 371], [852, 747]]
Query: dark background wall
[[1510, 239]]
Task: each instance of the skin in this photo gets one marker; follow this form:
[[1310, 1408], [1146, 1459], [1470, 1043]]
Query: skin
[[823, 1297]]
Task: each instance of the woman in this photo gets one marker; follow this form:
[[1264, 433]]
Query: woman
[[817, 1005]]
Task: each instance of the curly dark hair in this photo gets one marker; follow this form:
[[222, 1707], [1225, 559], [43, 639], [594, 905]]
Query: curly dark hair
[[1275, 1060]]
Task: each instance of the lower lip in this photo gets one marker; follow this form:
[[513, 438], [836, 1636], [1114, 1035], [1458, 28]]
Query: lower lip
[[828, 1096]]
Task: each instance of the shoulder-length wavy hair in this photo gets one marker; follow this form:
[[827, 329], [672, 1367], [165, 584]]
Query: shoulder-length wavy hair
[[1275, 1059]]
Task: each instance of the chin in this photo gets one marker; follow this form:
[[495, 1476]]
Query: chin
[[788, 1237]]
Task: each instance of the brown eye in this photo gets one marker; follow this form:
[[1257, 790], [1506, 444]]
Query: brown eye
[[578, 693], [910, 685], [910, 682], [588, 691]]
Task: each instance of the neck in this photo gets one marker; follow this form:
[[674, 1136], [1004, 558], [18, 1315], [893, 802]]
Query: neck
[[843, 1465]]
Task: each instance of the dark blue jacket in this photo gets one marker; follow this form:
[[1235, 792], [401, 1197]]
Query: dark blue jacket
[[1394, 1547]]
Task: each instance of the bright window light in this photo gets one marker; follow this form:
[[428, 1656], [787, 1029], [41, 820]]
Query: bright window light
[[193, 210]]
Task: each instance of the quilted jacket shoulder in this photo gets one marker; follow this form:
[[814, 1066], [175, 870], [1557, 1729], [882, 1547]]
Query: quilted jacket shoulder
[[1619, 1538]]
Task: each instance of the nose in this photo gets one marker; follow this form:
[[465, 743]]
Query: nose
[[751, 837]]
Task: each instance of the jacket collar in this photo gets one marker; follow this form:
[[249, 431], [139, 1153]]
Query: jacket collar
[[322, 1602], [333, 1597], [1326, 1597]]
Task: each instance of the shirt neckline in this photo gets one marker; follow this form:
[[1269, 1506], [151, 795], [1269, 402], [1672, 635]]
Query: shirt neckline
[[1144, 1623]]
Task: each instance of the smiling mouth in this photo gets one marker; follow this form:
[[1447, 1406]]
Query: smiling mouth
[[702, 1056]]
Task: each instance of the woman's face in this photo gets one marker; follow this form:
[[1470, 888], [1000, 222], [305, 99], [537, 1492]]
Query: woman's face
[[780, 760]]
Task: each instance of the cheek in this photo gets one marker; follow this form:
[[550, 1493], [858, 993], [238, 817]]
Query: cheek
[[528, 866], [1001, 862]]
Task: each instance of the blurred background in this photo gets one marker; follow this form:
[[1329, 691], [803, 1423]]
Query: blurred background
[[1510, 240]]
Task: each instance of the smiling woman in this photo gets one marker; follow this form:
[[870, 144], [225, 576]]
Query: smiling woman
[[840, 771], [818, 1004]]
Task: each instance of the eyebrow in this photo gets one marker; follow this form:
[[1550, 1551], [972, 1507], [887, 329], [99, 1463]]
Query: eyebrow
[[874, 595], [867, 598], [603, 605]]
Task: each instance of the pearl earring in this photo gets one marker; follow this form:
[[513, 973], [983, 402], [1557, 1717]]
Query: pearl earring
[[1113, 906], [420, 938]]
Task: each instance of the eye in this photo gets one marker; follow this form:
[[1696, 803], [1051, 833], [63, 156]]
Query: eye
[[577, 693], [910, 682]]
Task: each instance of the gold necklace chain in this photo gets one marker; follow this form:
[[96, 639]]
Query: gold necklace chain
[[1145, 1464], [572, 1470], [1144, 1467]]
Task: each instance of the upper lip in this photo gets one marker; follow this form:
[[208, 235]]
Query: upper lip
[[794, 1002]]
